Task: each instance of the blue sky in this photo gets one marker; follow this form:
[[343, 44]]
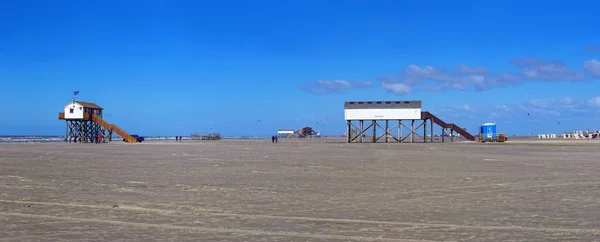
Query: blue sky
[[176, 67]]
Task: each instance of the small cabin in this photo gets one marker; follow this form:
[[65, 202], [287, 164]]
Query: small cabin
[[77, 109]]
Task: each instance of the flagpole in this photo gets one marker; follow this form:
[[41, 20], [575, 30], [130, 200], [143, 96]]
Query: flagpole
[[75, 92]]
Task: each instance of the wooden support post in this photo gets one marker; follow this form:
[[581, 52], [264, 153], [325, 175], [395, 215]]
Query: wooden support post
[[425, 131], [83, 132], [66, 131], [431, 133], [374, 124], [86, 132], [79, 130], [387, 131], [361, 130], [349, 134], [412, 131], [400, 131], [443, 134], [69, 131]]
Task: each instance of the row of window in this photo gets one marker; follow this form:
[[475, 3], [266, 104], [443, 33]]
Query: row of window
[[95, 111], [388, 102]]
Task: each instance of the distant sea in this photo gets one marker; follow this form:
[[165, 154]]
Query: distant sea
[[55, 138]]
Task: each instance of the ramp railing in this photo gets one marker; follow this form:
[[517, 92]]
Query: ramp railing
[[441, 123]]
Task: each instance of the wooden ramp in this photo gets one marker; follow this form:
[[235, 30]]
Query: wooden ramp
[[114, 128], [451, 126]]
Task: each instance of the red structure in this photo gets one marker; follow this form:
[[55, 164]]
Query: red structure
[[446, 126]]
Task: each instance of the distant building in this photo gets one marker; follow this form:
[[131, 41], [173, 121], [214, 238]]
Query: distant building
[[285, 133]]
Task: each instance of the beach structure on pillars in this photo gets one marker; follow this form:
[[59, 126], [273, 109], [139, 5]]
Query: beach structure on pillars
[[85, 124], [400, 114]]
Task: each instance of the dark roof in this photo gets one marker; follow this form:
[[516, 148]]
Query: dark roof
[[89, 105], [382, 104]]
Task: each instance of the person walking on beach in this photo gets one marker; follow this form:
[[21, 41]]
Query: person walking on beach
[[273, 139]]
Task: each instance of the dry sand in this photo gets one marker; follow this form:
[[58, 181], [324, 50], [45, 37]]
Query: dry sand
[[300, 191]]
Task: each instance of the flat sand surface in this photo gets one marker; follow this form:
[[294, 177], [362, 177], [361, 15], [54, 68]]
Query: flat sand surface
[[309, 190]]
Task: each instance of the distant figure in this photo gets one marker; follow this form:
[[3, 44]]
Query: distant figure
[[273, 139], [177, 138], [276, 139]]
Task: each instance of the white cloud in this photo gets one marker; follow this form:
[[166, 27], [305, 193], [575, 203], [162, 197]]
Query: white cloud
[[547, 70], [472, 70], [565, 107], [335, 86], [594, 102], [566, 100], [463, 107], [428, 78], [592, 67], [397, 88], [502, 107]]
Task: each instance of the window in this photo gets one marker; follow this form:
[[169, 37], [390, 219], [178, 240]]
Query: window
[[370, 102], [71, 110], [407, 102], [360, 102], [351, 102], [378, 102], [388, 102], [397, 102]]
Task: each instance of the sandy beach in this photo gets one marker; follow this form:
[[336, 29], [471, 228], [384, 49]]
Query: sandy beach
[[302, 190]]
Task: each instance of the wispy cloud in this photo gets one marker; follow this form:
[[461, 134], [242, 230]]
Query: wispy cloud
[[546, 70], [562, 108], [335, 86], [592, 67], [428, 78], [398, 88], [592, 49], [534, 116]]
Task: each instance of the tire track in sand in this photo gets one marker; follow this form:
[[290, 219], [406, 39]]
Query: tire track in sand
[[416, 225], [204, 229], [459, 193]]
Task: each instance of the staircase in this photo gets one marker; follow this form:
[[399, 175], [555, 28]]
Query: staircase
[[441, 123], [114, 128]]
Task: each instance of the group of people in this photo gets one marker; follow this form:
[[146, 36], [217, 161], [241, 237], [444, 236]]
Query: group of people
[[178, 138], [274, 138]]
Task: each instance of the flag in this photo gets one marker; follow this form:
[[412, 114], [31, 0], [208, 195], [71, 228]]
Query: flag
[[75, 93]]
